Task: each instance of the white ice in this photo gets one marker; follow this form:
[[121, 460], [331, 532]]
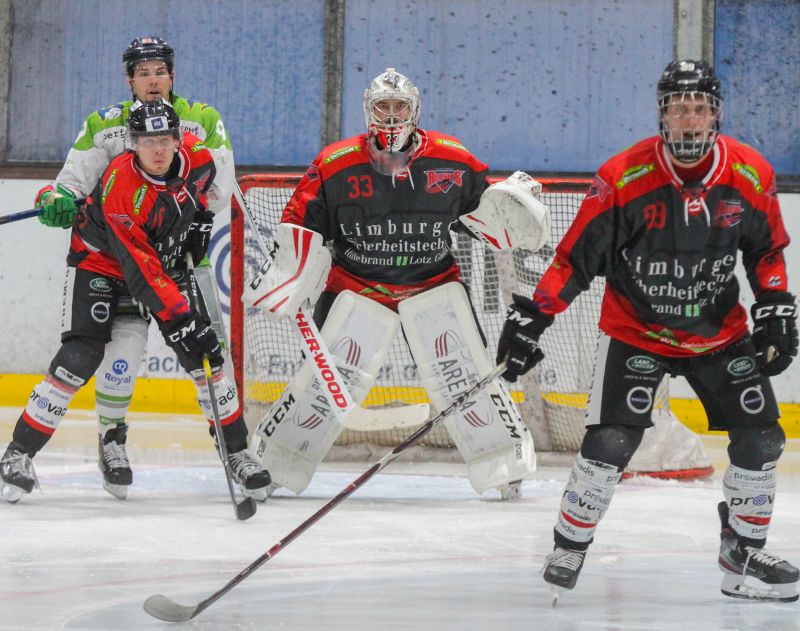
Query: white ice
[[415, 548]]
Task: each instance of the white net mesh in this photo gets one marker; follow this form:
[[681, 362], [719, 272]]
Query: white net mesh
[[552, 402]]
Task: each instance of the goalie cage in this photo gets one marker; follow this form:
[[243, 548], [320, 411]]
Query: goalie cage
[[552, 398]]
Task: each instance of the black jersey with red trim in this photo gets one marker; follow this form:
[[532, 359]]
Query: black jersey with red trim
[[134, 226], [668, 248], [390, 235]]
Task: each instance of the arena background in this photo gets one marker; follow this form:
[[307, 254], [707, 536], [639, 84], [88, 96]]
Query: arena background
[[547, 86]]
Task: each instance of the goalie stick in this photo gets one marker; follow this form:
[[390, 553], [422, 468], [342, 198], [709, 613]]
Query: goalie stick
[[163, 608], [356, 416], [247, 507]]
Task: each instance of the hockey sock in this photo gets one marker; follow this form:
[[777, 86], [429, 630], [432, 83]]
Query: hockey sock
[[750, 496], [47, 405], [586, 498]]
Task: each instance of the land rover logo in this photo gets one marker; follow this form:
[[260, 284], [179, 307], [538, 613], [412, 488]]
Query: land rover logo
[[642, 364], [741, 366], [100, 284]]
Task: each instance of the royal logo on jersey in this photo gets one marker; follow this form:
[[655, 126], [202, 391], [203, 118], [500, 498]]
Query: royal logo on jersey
[[109, 185], [442, 180], [341, 152], [749, 174], [727, 214], [634, 173]]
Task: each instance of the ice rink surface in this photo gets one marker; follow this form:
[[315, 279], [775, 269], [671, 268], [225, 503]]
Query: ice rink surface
[[415, 548]]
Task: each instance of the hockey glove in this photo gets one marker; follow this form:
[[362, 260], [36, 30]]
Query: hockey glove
[[58, 206], [519, 340], [200, 234], [774, 331], [191, 337]]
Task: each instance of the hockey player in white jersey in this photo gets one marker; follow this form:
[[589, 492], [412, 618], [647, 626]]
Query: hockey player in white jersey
[[386, 201], [149, 65]]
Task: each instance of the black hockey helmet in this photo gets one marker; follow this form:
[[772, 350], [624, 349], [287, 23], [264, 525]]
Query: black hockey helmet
[[147, 49], [689, 109], [153, 118]]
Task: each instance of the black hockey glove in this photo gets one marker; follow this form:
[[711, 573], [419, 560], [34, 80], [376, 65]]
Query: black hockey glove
[[519, 341], [200, 235], [774, 331], [191, 337]]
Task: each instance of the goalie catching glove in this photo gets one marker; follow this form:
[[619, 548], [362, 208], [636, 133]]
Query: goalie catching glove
[[510, 216], [191, 337], [519, 340], [295, 271], [774, 331], [58, 206]]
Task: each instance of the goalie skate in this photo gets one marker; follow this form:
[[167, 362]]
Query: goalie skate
[[113, 462], [753, 573], [17, 474], [561, 569]]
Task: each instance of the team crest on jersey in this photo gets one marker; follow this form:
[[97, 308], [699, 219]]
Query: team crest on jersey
[[110, 112], [442, 180], [200, 182], [727, 214], [599, 189]]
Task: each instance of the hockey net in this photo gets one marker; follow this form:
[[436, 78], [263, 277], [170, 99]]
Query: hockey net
[[552, 399]]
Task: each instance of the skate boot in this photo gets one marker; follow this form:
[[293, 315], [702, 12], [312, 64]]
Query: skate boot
[[114, 463], [771, 578], [17, 474], [511, 491], [561, 569], [252, 478]]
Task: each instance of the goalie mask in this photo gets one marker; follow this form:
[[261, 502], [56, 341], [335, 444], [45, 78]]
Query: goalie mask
[[391, 109], [148, 49], [689, 109]]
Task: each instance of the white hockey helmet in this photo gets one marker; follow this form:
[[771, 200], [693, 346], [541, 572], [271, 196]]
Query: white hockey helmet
[[391, 109]]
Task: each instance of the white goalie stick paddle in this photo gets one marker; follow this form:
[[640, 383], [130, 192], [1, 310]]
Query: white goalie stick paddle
[[351, 416], [163, 608]]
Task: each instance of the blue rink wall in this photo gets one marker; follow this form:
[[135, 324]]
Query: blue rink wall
[[545, 85]]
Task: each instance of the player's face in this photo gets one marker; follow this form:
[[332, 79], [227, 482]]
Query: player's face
[[151, 81], [155, 153], [689, 119], [390, 112]]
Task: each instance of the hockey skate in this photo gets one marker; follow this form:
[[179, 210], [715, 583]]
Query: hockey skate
[[253, 479], [113, 462], [771, 578], [561, 570], [511, 491], [17, 474]]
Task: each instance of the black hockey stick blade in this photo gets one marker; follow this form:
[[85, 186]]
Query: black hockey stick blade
[[246, 508], [161, 607]]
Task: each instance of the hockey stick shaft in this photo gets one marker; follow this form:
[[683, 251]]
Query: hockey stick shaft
[[161, 607], [247, 507], [33, 212]]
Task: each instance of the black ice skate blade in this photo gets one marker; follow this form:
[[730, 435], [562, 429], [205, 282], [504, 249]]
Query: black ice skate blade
[[245, 509], [161, 607]]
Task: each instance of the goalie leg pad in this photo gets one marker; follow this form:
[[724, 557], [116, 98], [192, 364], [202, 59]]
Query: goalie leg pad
[[446, 345], [116, 376], [294, 436]]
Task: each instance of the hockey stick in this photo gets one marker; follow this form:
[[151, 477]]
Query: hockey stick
[[33, 212], [350, 415], [163, 608], [247, 507]]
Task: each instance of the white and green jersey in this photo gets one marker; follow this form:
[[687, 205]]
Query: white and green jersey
[[102, 138]]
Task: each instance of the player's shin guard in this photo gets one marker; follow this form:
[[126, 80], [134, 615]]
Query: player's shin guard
[[297, 432], [116, 376], [488, 431]]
